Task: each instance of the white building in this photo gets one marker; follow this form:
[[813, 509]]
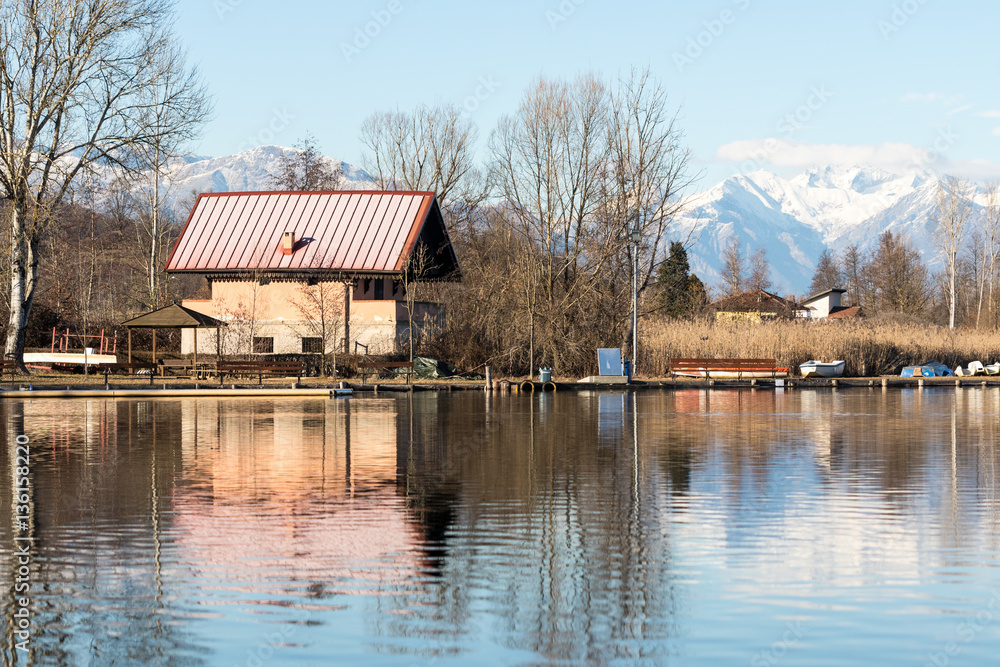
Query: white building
[[826, 305]]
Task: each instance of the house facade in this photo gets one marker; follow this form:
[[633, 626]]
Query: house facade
[[314, 272], [755, 306], [827, 305]]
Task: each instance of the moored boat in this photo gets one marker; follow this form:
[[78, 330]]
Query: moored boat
[[832, 369]]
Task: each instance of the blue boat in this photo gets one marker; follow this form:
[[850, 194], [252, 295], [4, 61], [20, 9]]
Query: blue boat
[[928, 369]]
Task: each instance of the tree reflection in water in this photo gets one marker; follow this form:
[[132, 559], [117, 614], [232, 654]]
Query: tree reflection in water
[[575, 527]]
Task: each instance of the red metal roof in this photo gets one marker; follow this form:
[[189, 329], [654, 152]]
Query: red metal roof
[[351, 232]]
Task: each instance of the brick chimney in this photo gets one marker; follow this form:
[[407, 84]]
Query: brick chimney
[[288, 243]]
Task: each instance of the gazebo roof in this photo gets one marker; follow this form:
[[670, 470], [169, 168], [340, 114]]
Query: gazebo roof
[[173, 317]]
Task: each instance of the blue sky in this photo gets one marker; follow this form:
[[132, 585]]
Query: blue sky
[[762, 84]]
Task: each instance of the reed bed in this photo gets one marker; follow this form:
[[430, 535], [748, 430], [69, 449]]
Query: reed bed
[[870, 348]]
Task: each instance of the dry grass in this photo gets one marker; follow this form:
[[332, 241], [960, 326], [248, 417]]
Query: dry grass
[[870, 347]]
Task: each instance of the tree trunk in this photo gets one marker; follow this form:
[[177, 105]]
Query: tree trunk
[[23, 277], [951, 291]]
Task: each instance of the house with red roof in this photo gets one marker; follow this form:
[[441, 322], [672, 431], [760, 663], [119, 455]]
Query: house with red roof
[[311, 272]]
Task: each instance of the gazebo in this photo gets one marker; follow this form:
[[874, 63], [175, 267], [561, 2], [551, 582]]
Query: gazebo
[[173, 317]]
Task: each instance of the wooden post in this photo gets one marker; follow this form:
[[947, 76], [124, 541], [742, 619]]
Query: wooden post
[[347, 318], [195, 330], [154, 346], [130, 345]]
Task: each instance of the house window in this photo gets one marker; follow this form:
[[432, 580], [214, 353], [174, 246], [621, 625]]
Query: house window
[[379, 289], [263, 345], [312, 346], [366, 285]]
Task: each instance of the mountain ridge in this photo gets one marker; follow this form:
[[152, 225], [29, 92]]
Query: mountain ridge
[[794, 219]]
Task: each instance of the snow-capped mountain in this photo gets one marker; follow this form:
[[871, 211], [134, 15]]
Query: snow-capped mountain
[[247, 171], [795, 219]]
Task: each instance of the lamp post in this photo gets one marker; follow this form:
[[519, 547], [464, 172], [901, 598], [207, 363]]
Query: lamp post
[[636, 238]]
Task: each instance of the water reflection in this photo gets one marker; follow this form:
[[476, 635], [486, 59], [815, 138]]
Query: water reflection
[[687, 526]]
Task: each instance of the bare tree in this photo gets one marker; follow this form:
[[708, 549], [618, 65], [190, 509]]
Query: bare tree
[[547, 161], [827, 274], [733, 271], [75, 77], [418, 264], [647, 169], [899, 279], [306, 169], [990, 228], [177, 106], [853, 262], [760, 271], [954, 210], [322, 307], [430, 148]]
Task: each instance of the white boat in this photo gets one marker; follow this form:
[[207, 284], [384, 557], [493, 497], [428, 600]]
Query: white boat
[[820, 369], [975, 368], [56, 359]]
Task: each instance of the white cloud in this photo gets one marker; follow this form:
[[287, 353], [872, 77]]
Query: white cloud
[[783, 155], [992, 113], [960, 109], [996, 131]]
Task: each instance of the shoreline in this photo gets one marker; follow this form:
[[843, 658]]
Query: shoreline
[[51, 387]]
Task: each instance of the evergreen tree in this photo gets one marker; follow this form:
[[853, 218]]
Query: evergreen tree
[[678, 292]]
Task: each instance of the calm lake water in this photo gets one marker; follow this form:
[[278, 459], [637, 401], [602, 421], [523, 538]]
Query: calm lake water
[[675, 528]]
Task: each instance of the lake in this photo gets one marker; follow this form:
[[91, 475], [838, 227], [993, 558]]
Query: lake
[[690, 527]]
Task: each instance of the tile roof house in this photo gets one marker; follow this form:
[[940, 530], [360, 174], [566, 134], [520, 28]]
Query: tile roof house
[[756, 306], [306, 272]]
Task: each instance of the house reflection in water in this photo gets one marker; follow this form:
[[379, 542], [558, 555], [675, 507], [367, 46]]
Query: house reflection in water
[[295, 498]]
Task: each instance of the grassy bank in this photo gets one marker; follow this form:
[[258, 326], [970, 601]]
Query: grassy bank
[[869, 347]]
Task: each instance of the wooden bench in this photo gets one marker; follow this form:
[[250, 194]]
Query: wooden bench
[[728, 368], [8, 367], [260, 369], [177, 366], [376, 367], [134, 368]]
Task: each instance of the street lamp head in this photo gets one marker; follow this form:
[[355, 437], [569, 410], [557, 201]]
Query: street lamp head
[[636, 237]]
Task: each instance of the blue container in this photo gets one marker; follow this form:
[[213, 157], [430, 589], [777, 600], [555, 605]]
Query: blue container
[[627, 368], [545, 374]]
